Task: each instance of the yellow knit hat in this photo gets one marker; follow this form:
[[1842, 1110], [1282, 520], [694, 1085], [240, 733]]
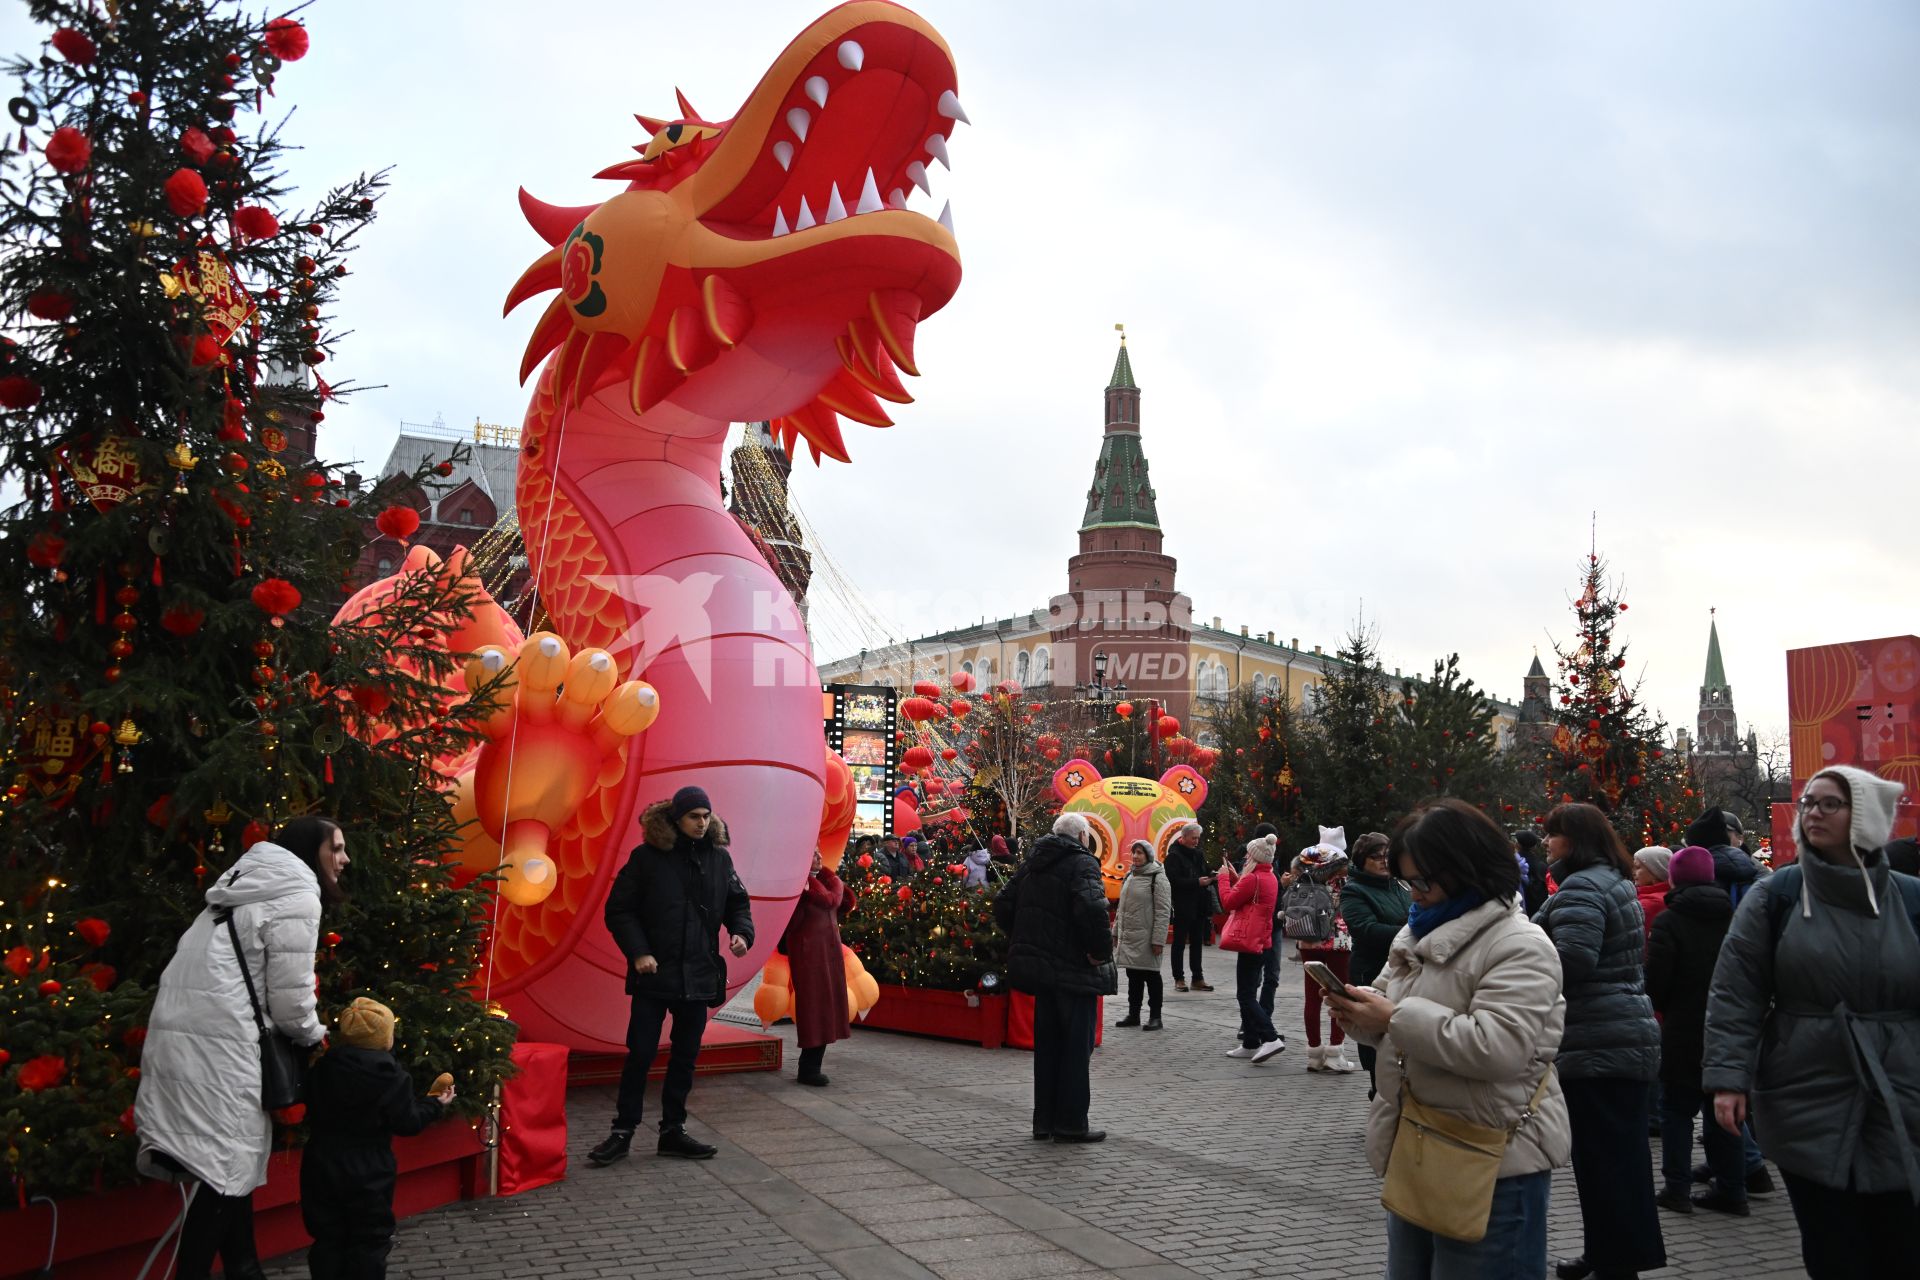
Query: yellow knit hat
[[366, 1024]]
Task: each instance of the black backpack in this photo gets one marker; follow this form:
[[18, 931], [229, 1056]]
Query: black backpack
[[1783, 895]]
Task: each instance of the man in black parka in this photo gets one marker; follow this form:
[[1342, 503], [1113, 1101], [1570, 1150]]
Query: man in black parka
[[1060, 952], [665, 911]]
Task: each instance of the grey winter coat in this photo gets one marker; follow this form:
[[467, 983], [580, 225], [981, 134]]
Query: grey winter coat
[[1822, 1029], [1597, 927], [1141, 918], [199, 1098]]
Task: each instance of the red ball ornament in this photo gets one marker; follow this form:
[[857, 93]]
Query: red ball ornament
[[398, 523], [68, 150], [286, 40], [196, 146], [206, 351], [256, 223], [42, 1072], [46, 550], [186, 193], [94, 930], [51, 987], [74, 46], [444, 469], [865, 860], [1593, 724]]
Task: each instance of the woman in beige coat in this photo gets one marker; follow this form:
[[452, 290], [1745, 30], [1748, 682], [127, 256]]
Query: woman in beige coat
[[1467, 1017], [1140, 921]]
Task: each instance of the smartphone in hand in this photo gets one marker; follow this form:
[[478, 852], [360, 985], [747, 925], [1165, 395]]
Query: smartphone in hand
[[1329, 981]]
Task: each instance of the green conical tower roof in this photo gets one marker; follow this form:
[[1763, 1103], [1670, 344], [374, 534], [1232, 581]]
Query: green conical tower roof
[[1122, 368], [1536, 671], [1122, 494], [1716, 670]]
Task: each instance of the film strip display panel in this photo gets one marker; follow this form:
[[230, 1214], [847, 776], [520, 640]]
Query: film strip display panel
[[861, 724]]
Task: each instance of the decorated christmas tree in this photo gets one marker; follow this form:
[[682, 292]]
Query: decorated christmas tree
[[1252, 780], [1341, 763], [932, 931], [1443, 742], [171, 688], [1607, 748]]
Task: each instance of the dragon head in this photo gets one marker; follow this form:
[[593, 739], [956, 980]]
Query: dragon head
[[765, 266]]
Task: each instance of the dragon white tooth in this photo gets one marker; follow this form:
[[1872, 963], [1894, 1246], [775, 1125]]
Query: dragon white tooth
[[852, 56], [937, 148], [946, 216], [836, 209], [798, 120], [918, 172], [803, 219], [816, 89], [783, 152], [951, 109], [896, 199], [779, 222], [869, 196]]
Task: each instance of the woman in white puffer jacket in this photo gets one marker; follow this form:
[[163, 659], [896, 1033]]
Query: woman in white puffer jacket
[[198, 1110]]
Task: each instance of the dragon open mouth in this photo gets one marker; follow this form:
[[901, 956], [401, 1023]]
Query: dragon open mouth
[[853, 134]]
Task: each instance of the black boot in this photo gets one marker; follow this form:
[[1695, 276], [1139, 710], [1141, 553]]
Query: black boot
[[614, 1148], [1152, 1023], [1573, 1268], [1131, 1020], [681, 1145]]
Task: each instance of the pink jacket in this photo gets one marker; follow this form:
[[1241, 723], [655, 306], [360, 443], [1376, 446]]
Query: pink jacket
[[1249, 901]]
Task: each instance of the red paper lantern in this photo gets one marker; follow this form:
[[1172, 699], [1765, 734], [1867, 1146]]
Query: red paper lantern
[[926, 688], [42, 1072], [74, 46], [1052, 754], [398, 523], [49, 304], [962, 681], [46, 550], [276, 597], [51, 987], [960, 707], [916, 758], [917, 709], [286, 39], [186, 193], [181, 620], [1124, 710], [196, 146], [865, 860], [94, 930], [1168, 726], [256, 223], [948, 753], [68, 150], [17, 391]]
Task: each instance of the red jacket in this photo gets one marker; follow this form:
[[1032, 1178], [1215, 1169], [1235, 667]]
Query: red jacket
[[812, 944], [1249, 900], [1653, 900]]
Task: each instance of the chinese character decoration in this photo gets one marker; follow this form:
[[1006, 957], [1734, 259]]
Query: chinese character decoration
[[107, 470], [224, 303]]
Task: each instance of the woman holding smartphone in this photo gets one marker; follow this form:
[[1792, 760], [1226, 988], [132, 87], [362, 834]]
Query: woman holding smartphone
[[1466, 1018]]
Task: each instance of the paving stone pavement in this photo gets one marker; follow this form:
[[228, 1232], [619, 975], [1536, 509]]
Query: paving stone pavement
[[916, 1163]]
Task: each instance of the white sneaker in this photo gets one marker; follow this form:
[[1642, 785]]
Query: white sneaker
[[1239, 1051], [1316, 1057], [1339, 1061], [1268, 1050]]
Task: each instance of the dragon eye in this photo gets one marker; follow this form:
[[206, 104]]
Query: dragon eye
[[673, 132]]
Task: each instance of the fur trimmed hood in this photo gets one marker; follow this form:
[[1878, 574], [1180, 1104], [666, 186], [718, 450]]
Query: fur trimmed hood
[[660, 830]]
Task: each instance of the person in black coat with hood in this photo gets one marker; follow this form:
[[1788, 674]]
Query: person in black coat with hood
[[1681, 954], [358, 1098], [1060, 952], [665, 911]]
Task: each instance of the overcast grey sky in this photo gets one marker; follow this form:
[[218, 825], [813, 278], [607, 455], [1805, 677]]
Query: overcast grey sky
[[1412, 290]]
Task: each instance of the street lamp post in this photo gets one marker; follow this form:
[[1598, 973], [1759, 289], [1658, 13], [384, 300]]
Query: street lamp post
[[1097, 694]]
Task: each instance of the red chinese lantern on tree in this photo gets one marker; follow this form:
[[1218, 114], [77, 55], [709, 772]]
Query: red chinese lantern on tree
[[398, 523], [916, 758], [1124, 710], [1167, 727], [276, 597], [962, 681], [960, 707], [926, 688], [917, 709]]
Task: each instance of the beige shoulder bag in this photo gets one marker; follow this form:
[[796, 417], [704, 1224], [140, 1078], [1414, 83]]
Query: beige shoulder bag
[[1441, 1171]]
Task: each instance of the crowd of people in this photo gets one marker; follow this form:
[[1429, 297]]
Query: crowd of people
[[1518, 1001]]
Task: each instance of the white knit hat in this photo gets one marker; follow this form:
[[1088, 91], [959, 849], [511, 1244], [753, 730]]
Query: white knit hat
[[1656, 858], [1872, 798], [1261, 850]]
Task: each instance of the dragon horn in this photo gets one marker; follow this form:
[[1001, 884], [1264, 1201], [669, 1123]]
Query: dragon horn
[[652, 124], [686, 108], [543, 275], [555, 324]]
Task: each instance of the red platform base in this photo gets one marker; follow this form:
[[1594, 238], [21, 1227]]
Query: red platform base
[[949, 1015], [724, 1049], [106, 1236]]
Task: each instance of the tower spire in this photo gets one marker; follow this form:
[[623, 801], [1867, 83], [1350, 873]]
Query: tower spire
[[1121, 494]]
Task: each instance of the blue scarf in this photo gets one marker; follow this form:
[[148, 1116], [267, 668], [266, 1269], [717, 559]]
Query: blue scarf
[[1424, 920]]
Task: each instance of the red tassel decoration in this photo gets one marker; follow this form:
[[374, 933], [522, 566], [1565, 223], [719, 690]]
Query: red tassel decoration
[[159, 580], [329, 770], [59, 494], [100, 601], [238, 566], [106, 767]]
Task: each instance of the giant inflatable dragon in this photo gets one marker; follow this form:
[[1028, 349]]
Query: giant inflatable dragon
[[763, 267]]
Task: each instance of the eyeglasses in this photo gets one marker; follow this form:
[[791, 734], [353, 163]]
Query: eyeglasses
[[1825, 804], [1414, 884]]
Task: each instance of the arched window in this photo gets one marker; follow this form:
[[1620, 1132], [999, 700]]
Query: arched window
[[384, 566], [1022, 668], [466, 515], [967, 667], [1042, 666]]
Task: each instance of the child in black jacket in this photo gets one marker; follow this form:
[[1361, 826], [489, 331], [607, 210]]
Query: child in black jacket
[[358, 1097]]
